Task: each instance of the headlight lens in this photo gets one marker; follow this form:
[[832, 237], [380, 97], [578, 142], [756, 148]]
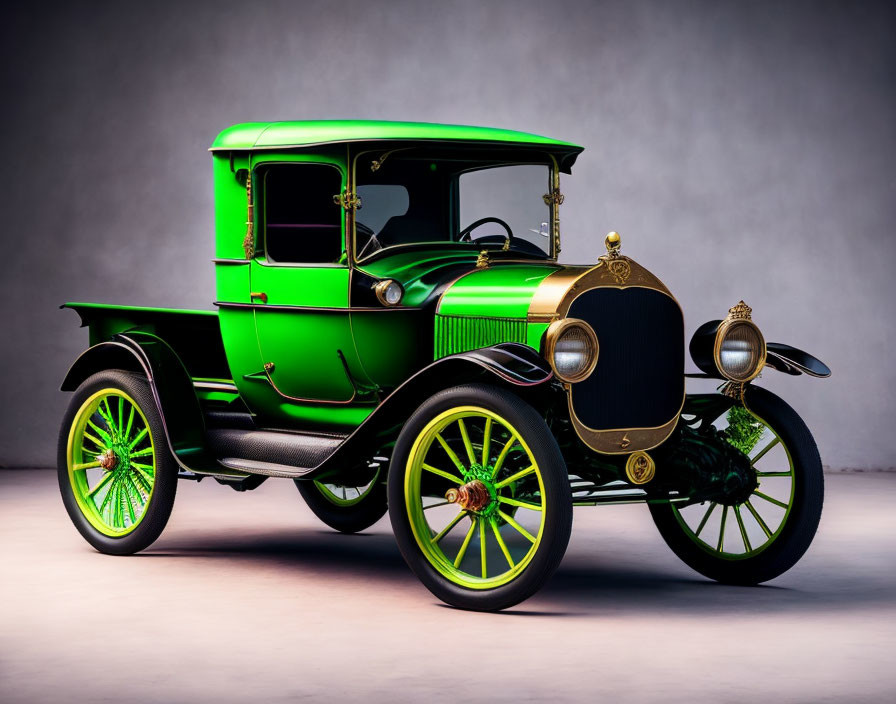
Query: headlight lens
[[388, 292], [740, 350], [571, 349]]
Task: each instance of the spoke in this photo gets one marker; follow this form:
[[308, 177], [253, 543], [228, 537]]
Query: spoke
[[722, 528], [521, 504], [105, 479], [773, 474], [139, 437], [502, 455], [743, 531], [96, 442], [116, 504], [482, 547], [143, 474], [107, 416], [463, 547], [711, 508], [140, 485], [109, 494], [344, 496], [85, 465], [509, 519], [99, 431], [512, 478], [127, 430], [501, 541], [486, 442], [769, 499], [466, 438], [768, 533], [442, 473], [122, 503], [443, 503], [454, 457], [447, 529], [130, 504], [764, 450], [142, 453]]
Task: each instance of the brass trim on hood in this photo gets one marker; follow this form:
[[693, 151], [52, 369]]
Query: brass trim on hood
[[557, 291], [552, 300]]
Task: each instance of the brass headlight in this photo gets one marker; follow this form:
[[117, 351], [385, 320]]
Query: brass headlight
[[571, 349], [388, 292], [739, 350]]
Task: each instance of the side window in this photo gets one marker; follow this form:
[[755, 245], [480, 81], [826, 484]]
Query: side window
[[301, 221]]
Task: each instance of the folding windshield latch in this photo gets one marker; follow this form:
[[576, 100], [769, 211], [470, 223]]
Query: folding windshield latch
[[349, 200]]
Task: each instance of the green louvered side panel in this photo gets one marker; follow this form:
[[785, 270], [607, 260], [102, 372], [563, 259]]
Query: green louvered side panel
[[459, 333]]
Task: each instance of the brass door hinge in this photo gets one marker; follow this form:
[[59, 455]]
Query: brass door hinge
[[349, 200]]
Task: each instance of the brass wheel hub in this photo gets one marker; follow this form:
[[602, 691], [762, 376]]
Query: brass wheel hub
[[108, 460], [472, 496]]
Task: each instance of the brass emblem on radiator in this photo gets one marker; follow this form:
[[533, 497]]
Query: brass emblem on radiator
[[620, 269], [640, 468], [625, 442]]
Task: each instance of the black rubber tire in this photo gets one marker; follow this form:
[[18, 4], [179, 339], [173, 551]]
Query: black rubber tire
[[802, 523], [160, 504], [555, 537], [346, 519]]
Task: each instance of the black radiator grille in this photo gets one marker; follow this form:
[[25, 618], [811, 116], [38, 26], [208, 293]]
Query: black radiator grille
[[639, 378]]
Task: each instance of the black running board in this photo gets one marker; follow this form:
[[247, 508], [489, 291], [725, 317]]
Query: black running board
[[265, 469], [271, 453]]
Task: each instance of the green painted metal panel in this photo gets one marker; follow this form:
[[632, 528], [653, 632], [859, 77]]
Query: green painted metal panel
[[257, 135], [535, 335], [502, 291], [460, 333], [392, 344], [230, 207]]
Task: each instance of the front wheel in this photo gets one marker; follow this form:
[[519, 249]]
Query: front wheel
[[764, 536], [479, 498]]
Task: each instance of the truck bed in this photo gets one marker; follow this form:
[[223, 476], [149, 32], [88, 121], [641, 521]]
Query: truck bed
[[195, 335]]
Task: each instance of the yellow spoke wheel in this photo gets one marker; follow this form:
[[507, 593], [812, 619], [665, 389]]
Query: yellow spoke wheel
[[479, 497]]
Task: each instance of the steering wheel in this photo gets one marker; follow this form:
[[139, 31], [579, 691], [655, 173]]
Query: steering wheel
[[482, 221]]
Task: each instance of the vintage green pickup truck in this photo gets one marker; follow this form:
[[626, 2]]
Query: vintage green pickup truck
[[394, 332]]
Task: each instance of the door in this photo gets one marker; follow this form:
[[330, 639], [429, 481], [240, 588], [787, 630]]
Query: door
[[300, 281]]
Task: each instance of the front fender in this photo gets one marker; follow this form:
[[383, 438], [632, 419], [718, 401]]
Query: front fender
[[793, 361], [171, 385], [779, 356], [508, 364]]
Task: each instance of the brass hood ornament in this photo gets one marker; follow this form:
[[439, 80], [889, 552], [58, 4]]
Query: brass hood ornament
[[616, 264]]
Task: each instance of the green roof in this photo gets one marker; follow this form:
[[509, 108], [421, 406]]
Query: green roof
[[280, 135]]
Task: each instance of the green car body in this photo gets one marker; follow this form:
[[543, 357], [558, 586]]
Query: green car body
[[311, 370]]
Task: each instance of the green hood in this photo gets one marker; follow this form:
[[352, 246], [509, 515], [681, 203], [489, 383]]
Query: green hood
[[499, 291]]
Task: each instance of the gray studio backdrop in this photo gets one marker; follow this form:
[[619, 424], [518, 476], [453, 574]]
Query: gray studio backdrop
[[743, 150]]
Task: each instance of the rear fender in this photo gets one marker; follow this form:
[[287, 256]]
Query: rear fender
[[171, 385]]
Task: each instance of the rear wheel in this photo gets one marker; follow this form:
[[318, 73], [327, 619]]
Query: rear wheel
[[116, 474], [479, 498], [348, 509], [765, 535]]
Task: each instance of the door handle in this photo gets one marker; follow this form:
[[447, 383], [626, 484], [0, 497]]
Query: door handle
[[260, 295]]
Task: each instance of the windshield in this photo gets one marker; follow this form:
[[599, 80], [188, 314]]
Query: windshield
[[451, 201]]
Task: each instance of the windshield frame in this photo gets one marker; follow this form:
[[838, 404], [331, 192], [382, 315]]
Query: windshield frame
[[547, 160]]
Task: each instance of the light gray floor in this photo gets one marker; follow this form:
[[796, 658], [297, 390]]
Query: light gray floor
[[247, 597]]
